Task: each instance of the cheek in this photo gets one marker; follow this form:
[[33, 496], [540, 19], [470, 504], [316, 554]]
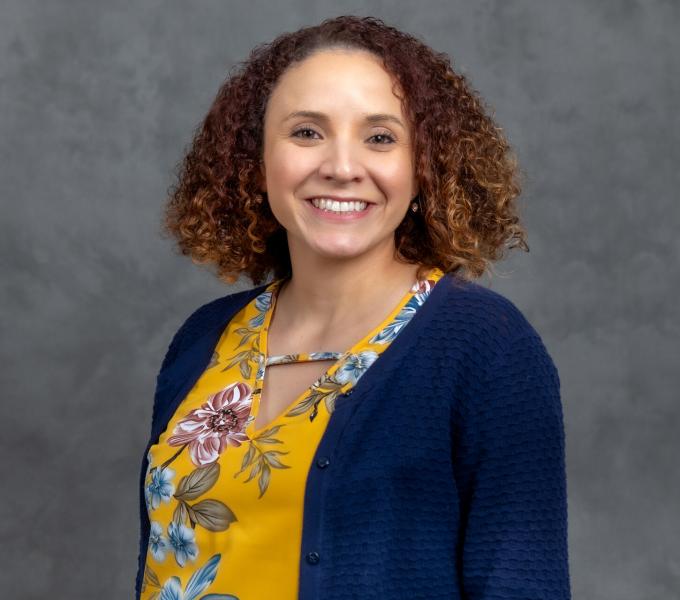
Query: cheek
[[397, 183], [284, 178], [287, 167]]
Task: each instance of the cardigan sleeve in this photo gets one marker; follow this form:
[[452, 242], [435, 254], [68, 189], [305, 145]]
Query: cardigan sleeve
[[512, 480], [169, 357]]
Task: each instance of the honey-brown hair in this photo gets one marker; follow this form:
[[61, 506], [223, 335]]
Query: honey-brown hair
[[467, 174]]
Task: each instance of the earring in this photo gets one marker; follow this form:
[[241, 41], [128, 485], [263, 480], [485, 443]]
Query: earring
[[414, 206]]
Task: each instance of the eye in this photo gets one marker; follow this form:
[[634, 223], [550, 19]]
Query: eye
[[302, 129], [384, 135]]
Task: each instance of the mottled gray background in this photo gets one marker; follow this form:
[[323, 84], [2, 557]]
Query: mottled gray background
[[97, 102]]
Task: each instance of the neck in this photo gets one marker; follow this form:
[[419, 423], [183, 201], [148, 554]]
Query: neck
[[322, 298]]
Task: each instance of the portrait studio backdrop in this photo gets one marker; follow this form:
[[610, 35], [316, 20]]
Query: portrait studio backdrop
[[98, 101]]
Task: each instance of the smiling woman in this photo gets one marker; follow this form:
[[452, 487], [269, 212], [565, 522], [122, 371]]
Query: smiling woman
[[403, 99], [370, 423], [357, 149]]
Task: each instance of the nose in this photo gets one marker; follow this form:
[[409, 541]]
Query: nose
[[341, 161]]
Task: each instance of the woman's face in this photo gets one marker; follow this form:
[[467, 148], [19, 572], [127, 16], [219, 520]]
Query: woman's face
[[333, 127]]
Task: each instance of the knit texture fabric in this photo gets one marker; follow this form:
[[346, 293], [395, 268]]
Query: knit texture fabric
[[446, 475]]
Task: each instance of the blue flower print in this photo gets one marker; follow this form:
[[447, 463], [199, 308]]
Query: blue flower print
[[198, 582], [182, 542], [160, 487], [149, 460], [354, 366], [325, 355], [262, 303], [158, 544], [260, 367], [389, 332]]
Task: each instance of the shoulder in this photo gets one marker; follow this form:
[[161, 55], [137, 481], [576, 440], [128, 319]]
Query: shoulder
[[485, 313], [213, 311], [206, 317], [489, 332], [505, 364]]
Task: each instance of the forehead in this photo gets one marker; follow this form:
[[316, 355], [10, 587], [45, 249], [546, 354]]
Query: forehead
[[341, 79]]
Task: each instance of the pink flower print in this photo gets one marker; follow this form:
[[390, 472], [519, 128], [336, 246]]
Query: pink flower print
[[219, 422]]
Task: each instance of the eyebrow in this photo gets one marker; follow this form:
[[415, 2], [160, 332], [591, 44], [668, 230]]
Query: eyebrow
[[374, 118]]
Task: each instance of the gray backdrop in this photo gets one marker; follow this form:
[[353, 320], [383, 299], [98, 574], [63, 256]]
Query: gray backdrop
[[98, 101]]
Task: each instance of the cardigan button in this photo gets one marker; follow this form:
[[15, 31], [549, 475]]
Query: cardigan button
[[312, 558], [323, 462]]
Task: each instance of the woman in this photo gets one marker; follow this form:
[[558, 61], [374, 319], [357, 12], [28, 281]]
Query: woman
[[372, 423]]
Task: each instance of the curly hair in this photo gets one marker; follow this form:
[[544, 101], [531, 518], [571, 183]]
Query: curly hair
[[467, 174]]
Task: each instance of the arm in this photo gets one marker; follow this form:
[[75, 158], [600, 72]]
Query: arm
[[511, 475]]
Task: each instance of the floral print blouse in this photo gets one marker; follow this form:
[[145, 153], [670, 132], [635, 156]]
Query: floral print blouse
[[225, 499]]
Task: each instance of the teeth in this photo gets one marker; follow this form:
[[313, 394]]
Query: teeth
[[338, 207]]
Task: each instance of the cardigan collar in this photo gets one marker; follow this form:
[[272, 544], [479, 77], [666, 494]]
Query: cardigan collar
[[175, 382]]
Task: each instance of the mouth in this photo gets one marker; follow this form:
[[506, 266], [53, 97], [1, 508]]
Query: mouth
[[335, 209], [342, 201]]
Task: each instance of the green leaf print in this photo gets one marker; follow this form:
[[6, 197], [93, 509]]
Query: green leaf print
[[150, 578], [255, 471], [210, 514], [247, 333], [247, 458], [261, 461], [327, 390], [270, 457], [198, 482], [214, 360], [263, 481], [243, 360], [213, 515], [181, 513]]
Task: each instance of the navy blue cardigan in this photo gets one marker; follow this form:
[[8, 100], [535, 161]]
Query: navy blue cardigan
[[440, 476]]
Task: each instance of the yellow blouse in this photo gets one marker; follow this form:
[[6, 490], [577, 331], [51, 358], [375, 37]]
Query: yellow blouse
[[225, 500]]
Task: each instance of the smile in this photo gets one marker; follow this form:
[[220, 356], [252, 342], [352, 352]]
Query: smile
[[334, 210], [338, 207]]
